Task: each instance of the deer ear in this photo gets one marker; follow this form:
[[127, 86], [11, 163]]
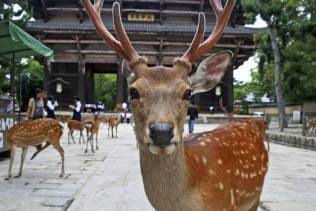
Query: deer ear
[[210, 72], [128, 74]]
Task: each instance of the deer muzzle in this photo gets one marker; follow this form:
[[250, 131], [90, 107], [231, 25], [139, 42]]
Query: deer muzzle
[[161, 134]]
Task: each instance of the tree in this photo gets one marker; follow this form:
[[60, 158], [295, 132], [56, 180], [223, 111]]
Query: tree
[[275, 13], [105, 89]]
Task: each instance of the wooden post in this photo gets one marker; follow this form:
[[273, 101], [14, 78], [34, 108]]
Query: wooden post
[[119, 84], [81, 79]]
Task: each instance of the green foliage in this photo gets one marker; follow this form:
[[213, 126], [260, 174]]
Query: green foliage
[[31, 76], [20, 14], [105, 89], [295, 22]]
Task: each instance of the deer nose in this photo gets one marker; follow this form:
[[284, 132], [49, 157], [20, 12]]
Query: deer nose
[[161, 133]]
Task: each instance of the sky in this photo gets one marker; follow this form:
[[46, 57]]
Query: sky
[[243, 72]]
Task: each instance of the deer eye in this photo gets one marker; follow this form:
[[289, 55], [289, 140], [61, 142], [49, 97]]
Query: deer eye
[[133, 94], [187, 95]]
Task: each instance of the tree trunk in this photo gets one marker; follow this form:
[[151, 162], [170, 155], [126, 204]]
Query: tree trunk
[[277, 77]]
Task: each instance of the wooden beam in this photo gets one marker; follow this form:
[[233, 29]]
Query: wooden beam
[[164, 43]]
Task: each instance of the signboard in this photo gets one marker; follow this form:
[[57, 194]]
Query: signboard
[[296, 116], [6, 122], [141, 17]]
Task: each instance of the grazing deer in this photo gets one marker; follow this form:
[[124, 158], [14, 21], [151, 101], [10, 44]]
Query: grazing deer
[[219, 170], [113, 122], [311, 126], [75, 125], [92, 128], [32, 133]]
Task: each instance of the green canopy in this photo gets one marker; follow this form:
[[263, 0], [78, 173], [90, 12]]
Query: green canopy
[[16, 43]]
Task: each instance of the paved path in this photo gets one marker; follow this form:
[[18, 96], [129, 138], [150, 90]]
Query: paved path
[[110, 179]]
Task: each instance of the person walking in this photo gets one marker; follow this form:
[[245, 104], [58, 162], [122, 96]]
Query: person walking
[[50, 106], [35, 108], [76, 109], [193, 115]]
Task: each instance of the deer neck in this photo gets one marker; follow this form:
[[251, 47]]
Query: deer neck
[[164, 179]]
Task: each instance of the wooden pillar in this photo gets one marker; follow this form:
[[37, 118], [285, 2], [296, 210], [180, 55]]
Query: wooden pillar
[[228, 90], [47, 72], [119, 85], [89, 86], [81, 79]]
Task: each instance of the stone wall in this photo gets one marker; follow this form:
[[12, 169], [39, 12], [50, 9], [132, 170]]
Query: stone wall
[[292, 140]]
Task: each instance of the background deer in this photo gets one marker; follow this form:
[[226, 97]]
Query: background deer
[[219, 170], [74, 125], [113, 122], [32, 133], [311, 126], [92, 128]]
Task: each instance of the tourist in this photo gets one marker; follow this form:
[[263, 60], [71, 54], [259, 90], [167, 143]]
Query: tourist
[[35, 108], [76, 109], [193, 115], [50, 106]]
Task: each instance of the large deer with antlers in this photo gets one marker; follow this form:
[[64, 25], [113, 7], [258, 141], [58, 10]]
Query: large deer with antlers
[[220, 170], [33, 133]]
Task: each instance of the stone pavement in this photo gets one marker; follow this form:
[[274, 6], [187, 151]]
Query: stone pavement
[[110, 180]]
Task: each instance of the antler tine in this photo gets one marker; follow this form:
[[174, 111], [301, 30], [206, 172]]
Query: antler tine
[[98, 4], [222, 16], [197, 37], [94, 12], [122, 36]]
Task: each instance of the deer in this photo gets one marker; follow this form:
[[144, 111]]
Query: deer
[[223, 169], [311, 126], [33, 133], [75, 125], [92, 129], [113, 122]]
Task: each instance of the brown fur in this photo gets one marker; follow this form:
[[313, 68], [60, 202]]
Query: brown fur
[[113, 122], [75, 125], [92, 128], [32, 133], [311, 127]]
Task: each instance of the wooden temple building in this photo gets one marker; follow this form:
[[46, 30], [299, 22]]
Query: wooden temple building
[[158, 29]]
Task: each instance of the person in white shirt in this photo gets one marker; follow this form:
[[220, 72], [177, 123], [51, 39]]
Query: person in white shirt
[[76, 109], [50, 106]]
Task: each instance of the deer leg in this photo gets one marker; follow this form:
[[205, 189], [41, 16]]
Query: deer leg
[[83, 141], [91, 142], [109, 131], [24, 151], [72, 136], [96, 141], [88, 139], [112, 132], [61, 152], [255, 206], [69, 136], [116, 131], [39, 150], [12, 155]]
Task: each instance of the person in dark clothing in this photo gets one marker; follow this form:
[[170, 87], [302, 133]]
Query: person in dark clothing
[[193, 115], [50, 107], [76, 109]]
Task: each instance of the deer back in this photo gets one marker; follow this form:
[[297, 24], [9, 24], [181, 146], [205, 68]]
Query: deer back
[[32, 132], [76, 125], [230, 161]]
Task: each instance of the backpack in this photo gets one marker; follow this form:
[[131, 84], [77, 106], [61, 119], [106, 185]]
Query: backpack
[[38, 110]]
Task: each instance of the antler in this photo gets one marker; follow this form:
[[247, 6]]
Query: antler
[[222, 15], [94, 12]]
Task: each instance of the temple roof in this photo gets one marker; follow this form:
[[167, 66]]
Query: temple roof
[[40, 25]]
